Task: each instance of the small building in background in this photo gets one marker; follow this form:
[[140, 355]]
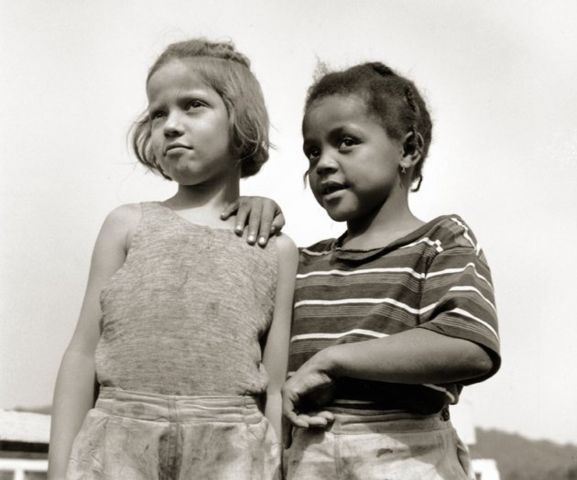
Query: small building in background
[[462, 420], [24, 440]]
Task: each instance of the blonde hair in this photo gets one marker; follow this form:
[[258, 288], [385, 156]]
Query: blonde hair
[[227, 72]]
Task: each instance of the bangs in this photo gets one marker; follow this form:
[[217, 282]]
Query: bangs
[[241, 93]]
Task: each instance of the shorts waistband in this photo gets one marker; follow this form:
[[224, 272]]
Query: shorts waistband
[[387, 421], [178, 408]]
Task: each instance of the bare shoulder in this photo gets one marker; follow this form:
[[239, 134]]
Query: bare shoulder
[[286, 246], [128, 214], [287, 250], [121, 222]]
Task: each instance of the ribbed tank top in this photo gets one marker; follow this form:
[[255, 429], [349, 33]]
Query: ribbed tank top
[[188, 311]]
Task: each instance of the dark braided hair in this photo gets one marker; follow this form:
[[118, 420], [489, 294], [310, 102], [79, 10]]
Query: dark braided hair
[[390, 98]]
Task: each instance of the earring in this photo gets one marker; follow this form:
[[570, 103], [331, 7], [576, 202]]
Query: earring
[[403, 170]]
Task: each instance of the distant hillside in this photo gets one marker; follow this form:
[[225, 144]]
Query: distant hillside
[[45, 409], [519, 458]]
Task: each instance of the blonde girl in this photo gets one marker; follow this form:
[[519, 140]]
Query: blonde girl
[[184, 327]]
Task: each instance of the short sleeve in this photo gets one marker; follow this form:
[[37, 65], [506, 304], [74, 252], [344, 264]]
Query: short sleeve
[[458, 300]]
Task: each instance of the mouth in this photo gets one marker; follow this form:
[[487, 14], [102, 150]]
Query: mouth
[[175, 147], [328, 188]]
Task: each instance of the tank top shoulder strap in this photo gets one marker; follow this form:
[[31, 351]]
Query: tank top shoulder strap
[[151, 222], [154, 214], [151, 211]]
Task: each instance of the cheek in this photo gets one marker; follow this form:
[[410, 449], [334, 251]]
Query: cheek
[[312, 181], [217, 135], [156, 140], [227, 137]]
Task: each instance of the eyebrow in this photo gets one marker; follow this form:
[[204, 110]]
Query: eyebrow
[[332, 134], [184, 93]]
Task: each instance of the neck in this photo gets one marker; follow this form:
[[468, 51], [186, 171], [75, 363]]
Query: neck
[[209, 198], [392, 220]]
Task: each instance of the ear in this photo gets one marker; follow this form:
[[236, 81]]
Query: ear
[[412, 149]]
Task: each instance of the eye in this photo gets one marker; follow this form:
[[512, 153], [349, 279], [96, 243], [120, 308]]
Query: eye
[[194, 104], [156, 114], [312, 153], [346, 142]]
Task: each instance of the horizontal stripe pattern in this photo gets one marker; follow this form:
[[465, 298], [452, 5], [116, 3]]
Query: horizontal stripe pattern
[[435, 278], [362, 271], [354, 331], [369, 301]]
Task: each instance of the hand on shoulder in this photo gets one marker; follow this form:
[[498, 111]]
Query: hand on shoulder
[[261, 216]]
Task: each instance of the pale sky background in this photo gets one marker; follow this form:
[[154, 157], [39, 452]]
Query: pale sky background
[[500, 79]]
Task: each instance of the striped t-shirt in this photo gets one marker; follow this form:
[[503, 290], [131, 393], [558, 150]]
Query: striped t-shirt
[[436, 277]]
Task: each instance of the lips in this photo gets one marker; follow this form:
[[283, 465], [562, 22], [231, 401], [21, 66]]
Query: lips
[[175, 146], [330, 187]]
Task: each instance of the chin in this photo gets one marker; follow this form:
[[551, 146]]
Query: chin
[[188, 176], [338, 216]]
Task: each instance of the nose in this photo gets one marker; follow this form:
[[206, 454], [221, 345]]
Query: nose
[[326, 164], [173, 125]]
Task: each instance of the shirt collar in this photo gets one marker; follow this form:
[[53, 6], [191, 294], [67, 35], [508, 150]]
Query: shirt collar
[[353, 255]]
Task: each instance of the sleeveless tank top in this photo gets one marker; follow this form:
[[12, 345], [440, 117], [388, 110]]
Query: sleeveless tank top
[[188, 312]]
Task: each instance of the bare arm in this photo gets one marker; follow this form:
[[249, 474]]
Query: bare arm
[[74, 392], [416, 356], [275, 356]]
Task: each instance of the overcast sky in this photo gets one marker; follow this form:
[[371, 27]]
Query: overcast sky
[[500, 79]]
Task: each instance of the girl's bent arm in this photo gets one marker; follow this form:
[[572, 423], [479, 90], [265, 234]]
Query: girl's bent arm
[[275, 355], [415, 356], [74, 392], [456, 340]]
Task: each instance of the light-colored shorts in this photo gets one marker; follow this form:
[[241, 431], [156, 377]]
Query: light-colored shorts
[[137, 436], [384, 446]]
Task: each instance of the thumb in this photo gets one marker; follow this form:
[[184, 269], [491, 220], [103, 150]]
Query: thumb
[[229, 209]]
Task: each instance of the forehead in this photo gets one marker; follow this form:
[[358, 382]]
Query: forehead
[[335, 111], [176, 76]]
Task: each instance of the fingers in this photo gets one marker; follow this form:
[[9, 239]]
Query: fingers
[[321, 419], [254, 222], [288, 408], [297, 420], [261, 215], [229, 210], [242, 213], [277, 224], [265, 229], [317, 420], [329, 417]]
